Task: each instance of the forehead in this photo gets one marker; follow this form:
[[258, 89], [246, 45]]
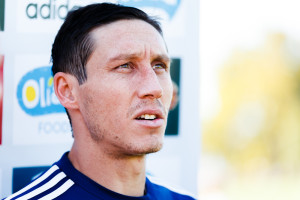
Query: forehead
[[128, 36]]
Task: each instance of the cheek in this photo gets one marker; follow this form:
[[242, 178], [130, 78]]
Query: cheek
[[100, 111], [105, 100]]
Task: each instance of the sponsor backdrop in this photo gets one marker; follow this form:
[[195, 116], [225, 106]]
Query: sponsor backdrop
[[0, 182], [1, 94], [35, 128], [2, 15]]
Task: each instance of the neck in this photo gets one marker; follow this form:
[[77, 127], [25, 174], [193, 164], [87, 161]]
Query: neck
[[121, 174]]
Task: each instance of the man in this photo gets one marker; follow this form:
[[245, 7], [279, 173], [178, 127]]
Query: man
[[112, 74]]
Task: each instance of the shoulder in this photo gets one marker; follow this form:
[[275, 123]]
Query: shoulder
[[50, 184], [166, 189]]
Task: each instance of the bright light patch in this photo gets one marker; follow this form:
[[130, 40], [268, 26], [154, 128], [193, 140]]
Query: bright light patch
[[30, 94]]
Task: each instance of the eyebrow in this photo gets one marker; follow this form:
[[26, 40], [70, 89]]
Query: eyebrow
[[134, 56], [162, 57]]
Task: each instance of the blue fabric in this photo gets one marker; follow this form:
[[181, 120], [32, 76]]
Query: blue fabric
[[84, 188]]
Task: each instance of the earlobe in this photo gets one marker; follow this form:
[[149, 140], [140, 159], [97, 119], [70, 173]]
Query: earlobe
[[65, 89]]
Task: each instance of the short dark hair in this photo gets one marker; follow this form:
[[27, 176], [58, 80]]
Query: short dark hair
[[73, 44]]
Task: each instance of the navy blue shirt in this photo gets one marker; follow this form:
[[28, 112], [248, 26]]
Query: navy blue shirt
[[62, 181]]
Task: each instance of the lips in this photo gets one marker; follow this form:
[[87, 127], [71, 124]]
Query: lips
[[150, 118], [149, 114]]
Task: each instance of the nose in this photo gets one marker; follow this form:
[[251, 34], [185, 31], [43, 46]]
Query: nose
[[149, 85]]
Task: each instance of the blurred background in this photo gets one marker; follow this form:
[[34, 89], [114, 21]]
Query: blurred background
[[250, 99]]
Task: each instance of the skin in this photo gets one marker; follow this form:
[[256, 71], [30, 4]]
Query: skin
[[127, 76]]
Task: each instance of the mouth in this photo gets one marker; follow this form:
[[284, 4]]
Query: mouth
[[150, 119], [147, 117]]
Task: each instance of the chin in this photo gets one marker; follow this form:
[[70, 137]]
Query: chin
[[154, 144], [145, 149], [154, 149]]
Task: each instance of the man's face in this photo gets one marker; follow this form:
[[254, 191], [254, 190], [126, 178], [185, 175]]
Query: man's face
[[127, 95]]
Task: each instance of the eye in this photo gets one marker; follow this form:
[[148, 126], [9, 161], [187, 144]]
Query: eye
[[124, 68], [159, 67]]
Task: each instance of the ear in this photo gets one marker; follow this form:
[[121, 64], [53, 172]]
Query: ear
[[65, 87]]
